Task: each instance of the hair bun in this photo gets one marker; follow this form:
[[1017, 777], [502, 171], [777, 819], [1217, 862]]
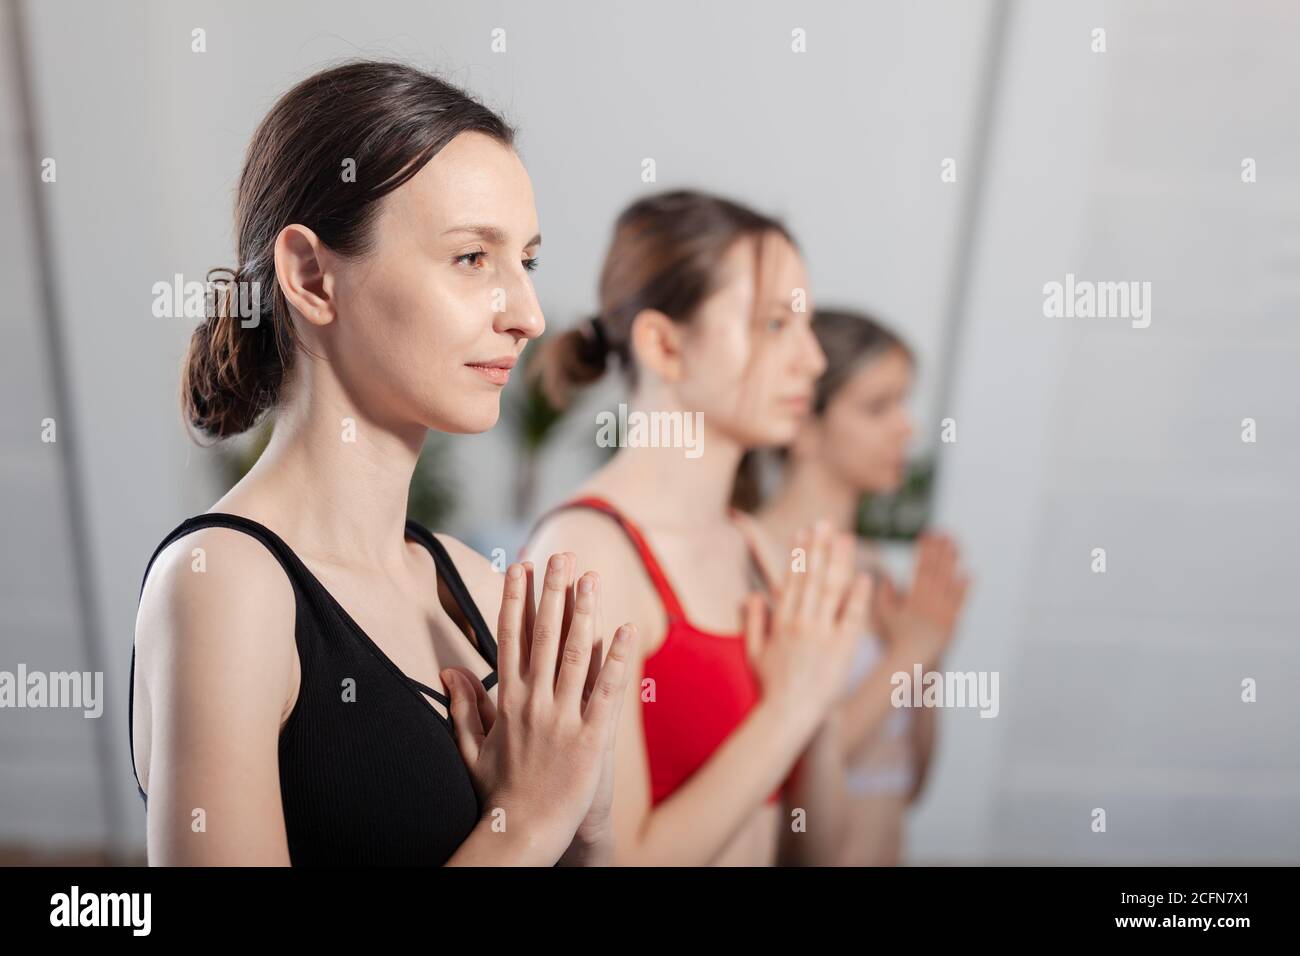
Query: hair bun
[[593, 331]]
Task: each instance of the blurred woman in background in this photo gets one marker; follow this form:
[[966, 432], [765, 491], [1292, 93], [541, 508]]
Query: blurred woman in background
[[701, 305], [855, 444]]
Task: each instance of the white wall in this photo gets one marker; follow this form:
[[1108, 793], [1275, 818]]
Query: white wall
[[1118, 691], [49, 777], [1122, 691]]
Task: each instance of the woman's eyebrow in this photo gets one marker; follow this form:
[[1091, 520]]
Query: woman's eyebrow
[[490, 234]]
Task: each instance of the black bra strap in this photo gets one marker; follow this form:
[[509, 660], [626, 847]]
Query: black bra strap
[[488, 683], [487, 644]]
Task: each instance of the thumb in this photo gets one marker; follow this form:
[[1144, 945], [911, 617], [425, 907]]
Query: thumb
[[887, 594], [884, 604], [464, 715]]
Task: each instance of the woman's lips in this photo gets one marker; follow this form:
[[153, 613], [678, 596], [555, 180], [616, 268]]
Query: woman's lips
[[496, 374], [497, 370]]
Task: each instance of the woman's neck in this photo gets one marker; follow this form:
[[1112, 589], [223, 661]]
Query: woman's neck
[[809, 493], [331, 479], [678, 487]]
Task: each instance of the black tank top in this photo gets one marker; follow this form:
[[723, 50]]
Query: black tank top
[[377, 780]]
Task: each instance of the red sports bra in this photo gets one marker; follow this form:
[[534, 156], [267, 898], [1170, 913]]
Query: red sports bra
[[703, 685]]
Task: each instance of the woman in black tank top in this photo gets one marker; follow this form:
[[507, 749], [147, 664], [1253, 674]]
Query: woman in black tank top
[[386, 233]]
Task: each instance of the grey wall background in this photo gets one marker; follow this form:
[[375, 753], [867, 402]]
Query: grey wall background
[[1118, 690]]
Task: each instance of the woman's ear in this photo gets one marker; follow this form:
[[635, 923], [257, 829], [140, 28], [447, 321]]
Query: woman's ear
[[301, 268], [657, 344]]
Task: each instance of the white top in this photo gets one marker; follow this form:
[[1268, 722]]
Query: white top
[[884, 765]]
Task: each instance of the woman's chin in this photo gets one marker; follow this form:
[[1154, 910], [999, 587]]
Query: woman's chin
[[469, 421], [778, 433]]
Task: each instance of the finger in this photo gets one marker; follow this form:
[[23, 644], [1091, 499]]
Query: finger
[[576, 658], [855, 606], [926, 557], [839, 576], [465, 720], [887, 593], [510, 624], [795, 580], [884, 603], [755, 614], [961, 584], [946, 562], [530, 619], [818, 560], [597, 643], [546, 630], [570, 592], [487, 711], [611, 686]]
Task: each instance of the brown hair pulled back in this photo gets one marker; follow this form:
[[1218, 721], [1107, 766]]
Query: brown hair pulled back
[[389, 120], [664, 255]]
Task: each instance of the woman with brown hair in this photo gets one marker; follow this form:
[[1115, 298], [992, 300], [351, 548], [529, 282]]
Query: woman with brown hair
[[292, 641], [728, 751], [855, 444]]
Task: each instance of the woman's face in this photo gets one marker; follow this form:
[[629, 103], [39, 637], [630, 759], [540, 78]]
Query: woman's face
[[863, 434], [750, 358], [432, 317]]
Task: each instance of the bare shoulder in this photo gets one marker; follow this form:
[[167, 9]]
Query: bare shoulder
[[214, 640], [601, 545], [217, 607], [596, 538], [212, 580], [215, 661]]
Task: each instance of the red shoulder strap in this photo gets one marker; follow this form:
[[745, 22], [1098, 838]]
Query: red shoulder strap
[[672, 606]]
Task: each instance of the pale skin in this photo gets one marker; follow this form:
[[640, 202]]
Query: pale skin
[[857, 446], [750, 371], [396, 339]]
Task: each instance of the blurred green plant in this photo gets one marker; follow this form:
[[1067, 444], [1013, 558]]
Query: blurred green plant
[[430, 501], [531, 420], [902, 515], [238, 455], [432, 496]]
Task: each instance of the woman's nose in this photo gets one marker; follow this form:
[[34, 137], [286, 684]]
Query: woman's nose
[[520, 312], [814, 355]]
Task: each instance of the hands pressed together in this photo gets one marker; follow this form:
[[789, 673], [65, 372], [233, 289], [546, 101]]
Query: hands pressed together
[[542, 756]]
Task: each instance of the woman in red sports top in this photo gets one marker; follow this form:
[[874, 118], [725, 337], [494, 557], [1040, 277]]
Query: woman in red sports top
[[730, 753]]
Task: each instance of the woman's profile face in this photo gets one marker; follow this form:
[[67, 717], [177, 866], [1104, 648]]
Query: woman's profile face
[[750, 357], [863, 434], [443, 300]]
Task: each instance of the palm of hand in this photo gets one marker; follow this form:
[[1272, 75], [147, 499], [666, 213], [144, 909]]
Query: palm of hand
[[923, 619]]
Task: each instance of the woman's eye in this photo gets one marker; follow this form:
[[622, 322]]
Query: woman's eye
[[531, 264], [471, 258], [775, 325]]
